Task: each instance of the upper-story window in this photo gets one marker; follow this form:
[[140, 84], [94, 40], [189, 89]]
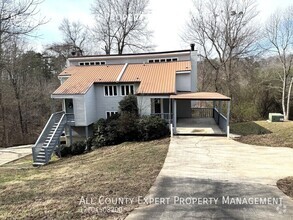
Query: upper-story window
[[162, 60], [127, 89], [110, 113], [110, 90], [92, 63]]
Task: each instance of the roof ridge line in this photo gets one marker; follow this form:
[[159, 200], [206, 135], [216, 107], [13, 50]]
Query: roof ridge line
[[122, 72]]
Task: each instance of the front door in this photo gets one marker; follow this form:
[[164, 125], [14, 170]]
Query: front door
[[69, 106]]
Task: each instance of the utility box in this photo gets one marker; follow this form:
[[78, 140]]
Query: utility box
[[276, 117]]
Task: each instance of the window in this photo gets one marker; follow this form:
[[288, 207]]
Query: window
[[172, 59], [92, 63], [110, 90], [110, 113], [127, 89]]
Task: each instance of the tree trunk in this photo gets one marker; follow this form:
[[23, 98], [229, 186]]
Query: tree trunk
[[288, 99], [283, 97]]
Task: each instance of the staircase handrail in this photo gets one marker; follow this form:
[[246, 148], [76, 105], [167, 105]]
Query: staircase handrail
[[45, 128], [53, 135]]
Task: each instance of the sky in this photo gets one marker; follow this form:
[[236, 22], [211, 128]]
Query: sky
[[167, 19]]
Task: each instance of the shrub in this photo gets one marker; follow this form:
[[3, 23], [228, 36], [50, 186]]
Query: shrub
[[152, 127], [78, 147], [106, 132], [129, 104], [63, 151], [128, 126]]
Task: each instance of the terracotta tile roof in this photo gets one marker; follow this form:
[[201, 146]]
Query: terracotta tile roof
[[201, 96], [155, 78], [82, 77]]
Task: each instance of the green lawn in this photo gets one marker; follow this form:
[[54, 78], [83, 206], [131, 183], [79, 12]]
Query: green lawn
[[55, 191], [274, 134]]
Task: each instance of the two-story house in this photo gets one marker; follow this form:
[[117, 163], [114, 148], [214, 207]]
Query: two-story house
[[165, 84]]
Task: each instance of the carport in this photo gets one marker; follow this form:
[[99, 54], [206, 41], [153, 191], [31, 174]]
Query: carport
[[188, 119]]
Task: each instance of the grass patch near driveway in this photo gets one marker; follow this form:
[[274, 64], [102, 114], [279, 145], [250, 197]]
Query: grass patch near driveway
[[273, 134], [54, 191], [286, 185]]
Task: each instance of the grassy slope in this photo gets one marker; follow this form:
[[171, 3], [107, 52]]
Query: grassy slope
[[54, 191], [274, 134]]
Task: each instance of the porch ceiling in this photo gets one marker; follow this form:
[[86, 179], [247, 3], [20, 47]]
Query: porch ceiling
[[201, 96]]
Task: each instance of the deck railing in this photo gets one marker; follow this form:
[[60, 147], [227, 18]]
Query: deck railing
[[202, 112], [220, 119]]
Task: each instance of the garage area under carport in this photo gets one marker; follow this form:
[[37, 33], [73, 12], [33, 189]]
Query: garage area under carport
[[191, 119]]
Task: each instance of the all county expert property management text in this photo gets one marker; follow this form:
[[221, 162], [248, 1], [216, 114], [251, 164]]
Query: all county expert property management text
[[177, 200]]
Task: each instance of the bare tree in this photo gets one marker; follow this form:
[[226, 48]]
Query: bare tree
[[75, 35], [224, 31], [17, 18], [122, 25], [279, 34]]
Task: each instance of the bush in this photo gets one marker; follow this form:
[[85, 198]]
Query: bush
[[75, 149], [78, 147], [128, 126], [152, 127], [129, 104], [106, 132], [63, 151]]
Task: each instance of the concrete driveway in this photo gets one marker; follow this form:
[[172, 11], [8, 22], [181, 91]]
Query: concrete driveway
[[217, 178], [13, 153]]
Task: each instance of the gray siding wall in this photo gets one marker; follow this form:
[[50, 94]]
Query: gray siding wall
[[133, 59], [183, 109], [107, 103], [193, 81], [183, 82], [79, 110], [90, 106], [144, 105]]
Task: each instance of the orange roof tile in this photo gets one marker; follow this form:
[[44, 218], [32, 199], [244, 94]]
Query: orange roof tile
[[200, 96], [155, 78], [82, 77]]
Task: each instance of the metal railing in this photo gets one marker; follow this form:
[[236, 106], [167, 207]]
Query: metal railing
[[202, 112], [220, 119], [59, 119]]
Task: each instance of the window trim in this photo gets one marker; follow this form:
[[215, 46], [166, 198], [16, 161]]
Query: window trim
[[124, 86], [108, 90]]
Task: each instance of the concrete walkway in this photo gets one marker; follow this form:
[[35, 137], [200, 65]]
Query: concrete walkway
[[217, 178], [13, 153]]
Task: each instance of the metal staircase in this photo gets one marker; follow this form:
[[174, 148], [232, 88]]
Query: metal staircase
[[49, 138]]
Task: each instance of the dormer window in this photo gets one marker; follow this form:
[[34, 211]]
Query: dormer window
[[92, 63], [163, 60]]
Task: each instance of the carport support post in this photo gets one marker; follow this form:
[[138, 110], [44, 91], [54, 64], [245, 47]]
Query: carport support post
[[86, 136], [228, 119], [174, 115]]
